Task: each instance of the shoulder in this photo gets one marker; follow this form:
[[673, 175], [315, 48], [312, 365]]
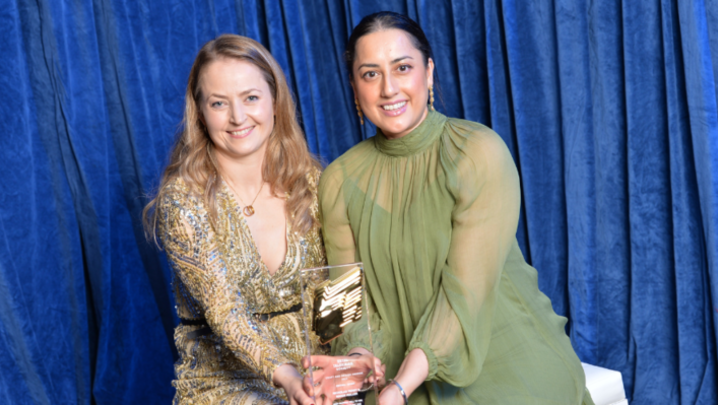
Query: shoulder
[[343, 166], [476, 138], [313, 176], [475, 143], [177, 199], [475, 155], [174, 192]]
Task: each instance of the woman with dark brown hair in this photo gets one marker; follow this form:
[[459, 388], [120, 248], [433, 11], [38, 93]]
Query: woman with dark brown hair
[[430, 205], [236, 212]]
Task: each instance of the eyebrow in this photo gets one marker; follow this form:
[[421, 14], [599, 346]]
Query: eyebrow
[[374, 65], [241, 94]]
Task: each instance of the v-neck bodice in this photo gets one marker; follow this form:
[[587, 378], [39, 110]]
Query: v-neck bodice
[[219, 277], [269, 292], [246, 230]]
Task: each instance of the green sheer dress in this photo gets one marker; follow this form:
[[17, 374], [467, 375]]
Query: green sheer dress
[[433, 217]]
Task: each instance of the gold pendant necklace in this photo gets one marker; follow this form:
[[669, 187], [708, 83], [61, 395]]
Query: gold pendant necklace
[[248, 210]]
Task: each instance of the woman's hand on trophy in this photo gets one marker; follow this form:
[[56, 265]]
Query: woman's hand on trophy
[[336, 377], [379, 376], [379, 369], [288, 378], [319, 384]]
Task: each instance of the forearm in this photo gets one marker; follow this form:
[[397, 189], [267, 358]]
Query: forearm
[[413, 371], [284, 375]]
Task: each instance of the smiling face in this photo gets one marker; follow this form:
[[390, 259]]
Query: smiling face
[[391, 81], [237, 109]]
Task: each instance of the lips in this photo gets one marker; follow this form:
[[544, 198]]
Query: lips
[[395, 106], [394, 109], [241, 133]]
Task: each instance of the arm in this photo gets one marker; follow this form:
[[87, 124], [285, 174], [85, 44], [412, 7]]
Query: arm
[[190, 248], [451, 340], [341, 249], [336, 229]]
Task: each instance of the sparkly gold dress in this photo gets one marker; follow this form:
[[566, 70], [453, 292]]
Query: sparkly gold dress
[[227, 354]]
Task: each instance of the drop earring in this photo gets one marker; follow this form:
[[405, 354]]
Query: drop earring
[[431, 98], [361, 115]]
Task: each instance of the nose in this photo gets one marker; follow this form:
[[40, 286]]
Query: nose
[[389, 87], [237, 116]]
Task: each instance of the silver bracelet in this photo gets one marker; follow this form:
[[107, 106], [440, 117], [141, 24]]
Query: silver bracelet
[[401, 390]]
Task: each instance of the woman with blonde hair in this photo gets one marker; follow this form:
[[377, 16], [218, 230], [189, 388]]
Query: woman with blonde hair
[[236, 212]]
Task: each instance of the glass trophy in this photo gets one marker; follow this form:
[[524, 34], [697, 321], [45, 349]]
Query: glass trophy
[[333, 300]]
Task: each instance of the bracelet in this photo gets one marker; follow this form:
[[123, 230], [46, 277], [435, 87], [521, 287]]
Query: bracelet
[[354, 354], [401, 390]]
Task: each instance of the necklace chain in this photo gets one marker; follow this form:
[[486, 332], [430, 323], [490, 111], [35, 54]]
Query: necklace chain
[[248, 210]]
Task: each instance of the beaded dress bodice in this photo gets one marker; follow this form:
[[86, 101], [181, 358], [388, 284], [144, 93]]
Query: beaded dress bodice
[[219, 277]]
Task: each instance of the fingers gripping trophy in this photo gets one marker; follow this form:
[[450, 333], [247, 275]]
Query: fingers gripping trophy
[[333, 300]]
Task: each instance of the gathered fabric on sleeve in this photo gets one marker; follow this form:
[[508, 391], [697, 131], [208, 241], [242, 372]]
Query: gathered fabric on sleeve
[[433, 217], [455, 329], [341, 249]]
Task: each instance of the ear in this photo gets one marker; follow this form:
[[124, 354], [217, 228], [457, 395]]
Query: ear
[[354, 89], [430, 72]]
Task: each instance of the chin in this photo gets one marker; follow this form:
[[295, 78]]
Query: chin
[[395, 129], [246, 151]]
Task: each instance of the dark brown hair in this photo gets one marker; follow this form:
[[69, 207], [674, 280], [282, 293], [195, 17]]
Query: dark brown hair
[[385, 20]]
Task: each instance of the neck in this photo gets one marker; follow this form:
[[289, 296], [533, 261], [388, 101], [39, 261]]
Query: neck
[[245, 175], [408, 131]]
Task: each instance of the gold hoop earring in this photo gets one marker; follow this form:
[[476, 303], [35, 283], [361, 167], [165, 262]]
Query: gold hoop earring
[[361, 115], [431, 98]]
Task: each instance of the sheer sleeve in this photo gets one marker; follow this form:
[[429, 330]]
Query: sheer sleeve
[[455, 329], [191, 250], [341, 249], [338, 237]]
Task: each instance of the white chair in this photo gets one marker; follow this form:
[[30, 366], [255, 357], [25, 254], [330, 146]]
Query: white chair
[[605, 386]]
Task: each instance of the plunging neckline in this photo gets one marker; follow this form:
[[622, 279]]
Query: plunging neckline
[[248, 231]]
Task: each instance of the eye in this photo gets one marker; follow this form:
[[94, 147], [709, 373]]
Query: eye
[[370, 75], [252, 98], [404, 68], [216, 104]]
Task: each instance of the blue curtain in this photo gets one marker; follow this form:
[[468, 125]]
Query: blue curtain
[[609, 108]]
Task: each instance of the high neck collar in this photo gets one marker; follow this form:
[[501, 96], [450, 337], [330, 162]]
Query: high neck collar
[[415, 141]]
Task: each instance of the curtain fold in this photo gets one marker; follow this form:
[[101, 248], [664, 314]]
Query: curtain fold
[[609, 109]]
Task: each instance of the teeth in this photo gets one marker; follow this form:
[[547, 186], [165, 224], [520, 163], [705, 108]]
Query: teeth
[[394, 106], [242, 132]]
